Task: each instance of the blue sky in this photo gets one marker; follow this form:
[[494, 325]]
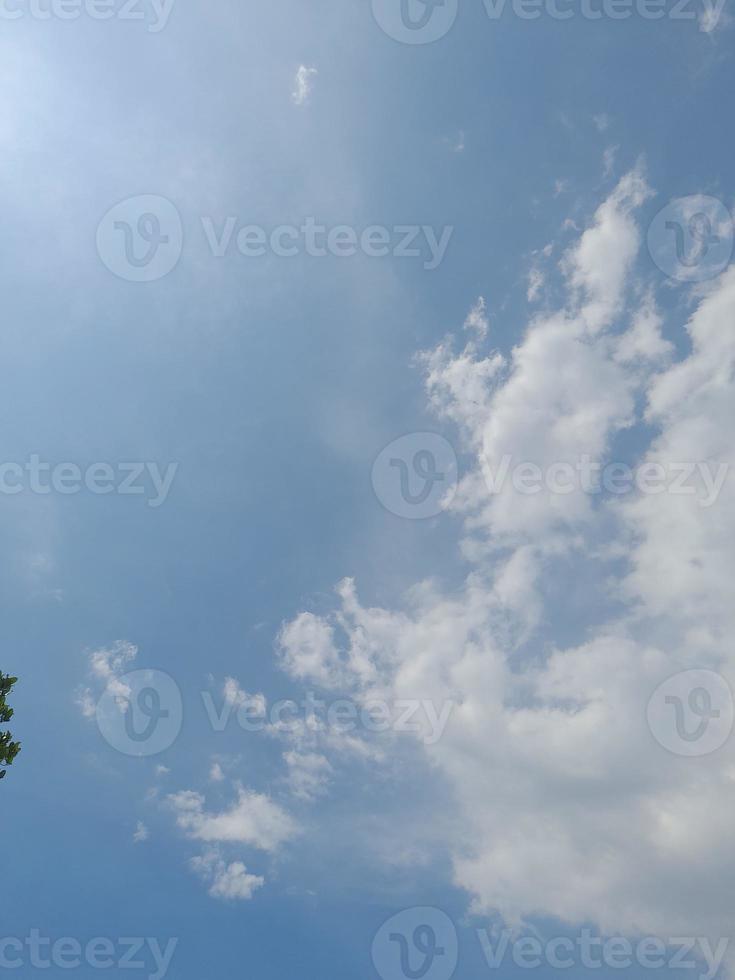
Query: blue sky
[[272, 384]]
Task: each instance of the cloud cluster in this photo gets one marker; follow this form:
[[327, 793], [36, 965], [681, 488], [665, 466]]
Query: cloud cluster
[[230, 882], [107, 666], [566, 805], [573, 611], [253, 820]]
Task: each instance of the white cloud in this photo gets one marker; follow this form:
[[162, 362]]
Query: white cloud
[[254, 819], [644, 340], [458, 385], [564, 803], [308, 774], [107, 666], [477, 319], [303, 85], [307, 650], [598, 264], [141, 833], [536, 281], [236, 697], [86, 703], [230, 882]]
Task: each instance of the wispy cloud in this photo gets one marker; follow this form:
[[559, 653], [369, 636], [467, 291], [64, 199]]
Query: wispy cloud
[[303, 85]]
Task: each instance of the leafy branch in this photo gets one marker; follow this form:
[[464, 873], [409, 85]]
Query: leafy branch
[[8, 748]]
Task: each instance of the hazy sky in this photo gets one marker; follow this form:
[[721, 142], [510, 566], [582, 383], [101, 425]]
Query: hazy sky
[[291, 291]]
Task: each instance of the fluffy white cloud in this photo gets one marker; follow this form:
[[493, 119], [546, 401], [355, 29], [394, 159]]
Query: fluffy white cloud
[[598, 264], [566, 806], [230, 882], [107, 666], [254, 819], [309, 653]]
